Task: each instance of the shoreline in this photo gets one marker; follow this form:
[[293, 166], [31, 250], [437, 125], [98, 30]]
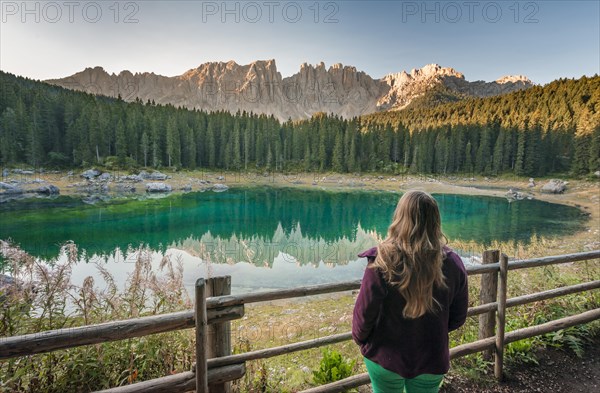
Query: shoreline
[[582, 194]]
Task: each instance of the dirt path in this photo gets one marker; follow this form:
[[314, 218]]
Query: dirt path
[[559, 371]]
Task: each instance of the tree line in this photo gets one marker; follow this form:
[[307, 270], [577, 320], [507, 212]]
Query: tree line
[[542, 130]]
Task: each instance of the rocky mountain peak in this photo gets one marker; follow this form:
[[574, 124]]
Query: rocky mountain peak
[[434, 70], [258, 87], [514, 79], [429, 71]]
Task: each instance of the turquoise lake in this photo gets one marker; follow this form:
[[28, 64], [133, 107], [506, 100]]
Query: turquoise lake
[[263, 237]]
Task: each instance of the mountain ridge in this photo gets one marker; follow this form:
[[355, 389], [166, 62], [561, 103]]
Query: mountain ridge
[[260, 88]]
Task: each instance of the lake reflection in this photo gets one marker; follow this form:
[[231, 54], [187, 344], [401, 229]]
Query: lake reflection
[[283, 261], [303, 236]]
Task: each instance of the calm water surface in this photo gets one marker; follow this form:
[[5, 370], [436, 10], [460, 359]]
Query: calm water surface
[[263, 237]]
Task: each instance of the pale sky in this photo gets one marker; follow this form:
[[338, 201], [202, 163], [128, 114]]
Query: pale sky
[[484, 40]]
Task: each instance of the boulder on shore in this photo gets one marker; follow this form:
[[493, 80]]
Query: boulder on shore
[[105, 176], [48, 190], [133, 178], [91, 174], [219, 187], [555, 186], [513, 195], [153, 176], [22, 172], [158, 187], [10, 189]]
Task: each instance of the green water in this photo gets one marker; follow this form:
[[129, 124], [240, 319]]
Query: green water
[[263, 217]]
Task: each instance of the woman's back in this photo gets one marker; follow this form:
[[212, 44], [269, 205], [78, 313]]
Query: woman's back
[[409, 346]]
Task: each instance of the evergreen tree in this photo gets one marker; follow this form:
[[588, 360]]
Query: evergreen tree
[[120, 142], [247, 142], [498, 156], [322, 150], [269, 160], [211, 143], [306, 162], [520, 155], [351, 155], [594, 161], [532, 152], [441, 154], [469, 158], [484, 156], [8, 139], [145, 147], [156, 144], [173, 143], [337, 161], [583, 141]]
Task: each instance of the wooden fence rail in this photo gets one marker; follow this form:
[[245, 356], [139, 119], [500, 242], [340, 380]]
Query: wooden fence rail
[[215, 307], [496, 343], [219, 309], [332, 339], [470, 348], [53, 340]]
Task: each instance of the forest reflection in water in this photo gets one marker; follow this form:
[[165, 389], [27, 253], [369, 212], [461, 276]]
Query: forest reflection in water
[[300, 236]]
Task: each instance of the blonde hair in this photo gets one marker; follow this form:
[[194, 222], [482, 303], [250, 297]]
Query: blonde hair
[[411, 256]]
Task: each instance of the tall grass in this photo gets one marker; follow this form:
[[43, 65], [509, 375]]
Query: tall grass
[[44, 297]]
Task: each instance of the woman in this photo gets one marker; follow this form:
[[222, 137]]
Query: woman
[[414, 291]]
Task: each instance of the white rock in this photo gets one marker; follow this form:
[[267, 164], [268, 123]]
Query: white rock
[[555, 186], [91, 174], [158, 187], [218, 187]]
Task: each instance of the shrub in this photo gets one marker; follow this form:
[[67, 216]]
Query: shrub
[[333, 367]]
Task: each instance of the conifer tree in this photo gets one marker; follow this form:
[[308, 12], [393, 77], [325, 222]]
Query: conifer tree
[[337, 161], [211, 143], [520, 155], [469, 158], [145, 147], [173, 143]]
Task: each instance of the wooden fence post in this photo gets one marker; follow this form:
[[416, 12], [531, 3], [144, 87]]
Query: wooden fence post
[[200, 313], [487, 294], [219, 334], [501, 317]]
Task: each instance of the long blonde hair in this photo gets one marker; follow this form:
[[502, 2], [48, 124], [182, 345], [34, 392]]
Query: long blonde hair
[[411, 256]]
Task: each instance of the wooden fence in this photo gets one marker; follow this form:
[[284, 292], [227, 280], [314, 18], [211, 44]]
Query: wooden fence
[[215, 307]]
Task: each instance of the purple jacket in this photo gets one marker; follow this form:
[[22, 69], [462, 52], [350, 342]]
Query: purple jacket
[[409, 347]]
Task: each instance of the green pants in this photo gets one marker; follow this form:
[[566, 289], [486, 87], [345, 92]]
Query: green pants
[[386, 381]]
